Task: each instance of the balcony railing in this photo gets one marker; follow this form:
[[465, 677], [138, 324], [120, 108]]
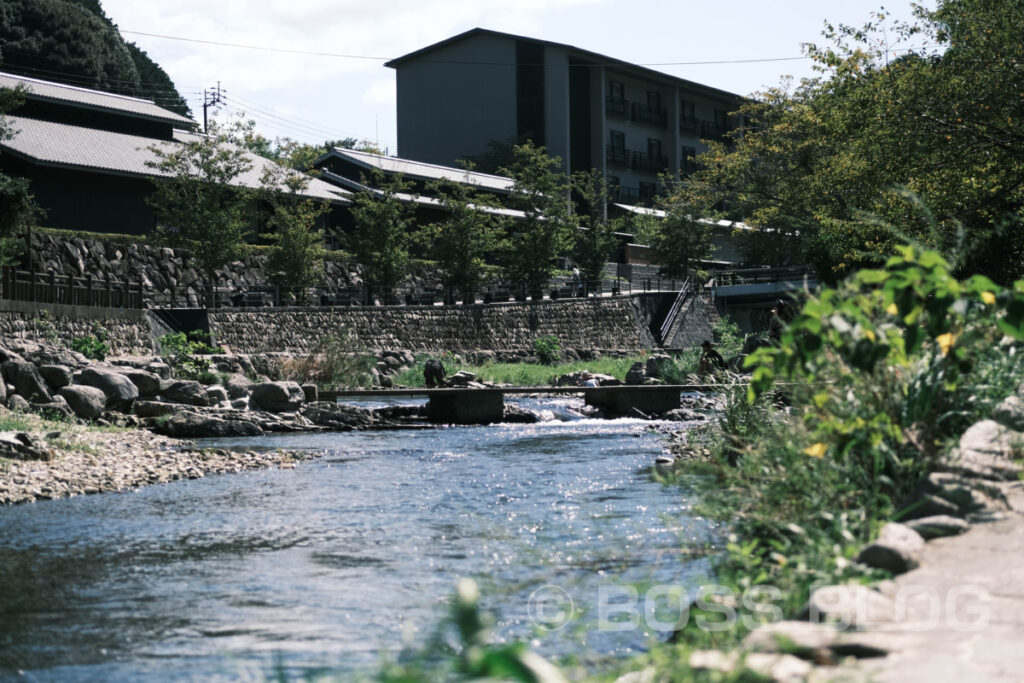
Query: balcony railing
[[617, 155], [657, 116], [688, 124], [616, 106], [643, 161], [626, 195], [712, 130]]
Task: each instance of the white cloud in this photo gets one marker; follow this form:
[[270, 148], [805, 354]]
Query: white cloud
[[381, 93]]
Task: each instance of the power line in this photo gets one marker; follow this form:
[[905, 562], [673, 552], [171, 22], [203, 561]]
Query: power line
[[313, 53]]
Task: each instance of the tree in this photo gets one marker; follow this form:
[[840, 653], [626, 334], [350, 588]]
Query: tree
[[541, 192], [296, 258], [879, 149], [18, 211], [595, 238], [468, 234], [681, 241], [199, 202], [380, 236], [74, 42]]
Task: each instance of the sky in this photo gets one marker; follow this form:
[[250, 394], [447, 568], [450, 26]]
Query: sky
[[346, 91]]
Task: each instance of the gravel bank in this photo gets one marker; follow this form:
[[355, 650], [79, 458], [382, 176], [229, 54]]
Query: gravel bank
[[92, 460]]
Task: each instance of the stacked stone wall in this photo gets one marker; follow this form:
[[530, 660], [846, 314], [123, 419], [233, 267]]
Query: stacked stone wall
[[128, 332], [601, 324]]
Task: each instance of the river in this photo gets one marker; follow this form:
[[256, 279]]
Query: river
[[351, 554]]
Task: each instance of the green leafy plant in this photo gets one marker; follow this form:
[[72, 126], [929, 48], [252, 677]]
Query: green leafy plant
[[93, 345], [180, 350], [336, 361], [547, 349]]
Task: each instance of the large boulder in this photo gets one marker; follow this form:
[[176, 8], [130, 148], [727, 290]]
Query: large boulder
[[215, 394], [987, 451], [119, 390], [238, 386], [55, 409], [184, 391], [938, 526], [148, 383], [27, 381], [657, 365], [22, 446], [337, 416], [86, 402], [56, 376], [897, 549], [186, 424], [277, 397]]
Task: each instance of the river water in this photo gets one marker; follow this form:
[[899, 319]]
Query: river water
[[351, 554]]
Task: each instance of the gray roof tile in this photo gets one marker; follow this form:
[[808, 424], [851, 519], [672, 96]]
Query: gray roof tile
[[93, 99]]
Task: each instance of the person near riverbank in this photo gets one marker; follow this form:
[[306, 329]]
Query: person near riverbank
[[587, 380], [433, 373], [710, 360]]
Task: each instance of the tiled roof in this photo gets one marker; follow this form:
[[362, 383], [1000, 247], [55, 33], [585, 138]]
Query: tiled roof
[[58, 144], [421, 170], [93, 99]]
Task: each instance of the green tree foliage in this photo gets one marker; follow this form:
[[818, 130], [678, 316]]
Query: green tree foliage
[[595, 239], [17, 209], [541, 192], [198, 202], [380, 236], [680, 241], [74, 42], [296, 258], [832, 162], [461, 242]]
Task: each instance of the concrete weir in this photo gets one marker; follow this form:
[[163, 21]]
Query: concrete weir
[[484, 406]]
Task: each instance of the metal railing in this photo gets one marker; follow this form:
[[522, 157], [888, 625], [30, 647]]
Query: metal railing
[[71, 290], [616, 106], [650, 162], [657, 116], [673, 313], [751, 276], [614, 154]]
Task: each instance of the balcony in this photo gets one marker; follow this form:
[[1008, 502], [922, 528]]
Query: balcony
[[617, 155], [688, 124], [710, 130], [626, 195], [643, 161], [656, 116], [616, 106]]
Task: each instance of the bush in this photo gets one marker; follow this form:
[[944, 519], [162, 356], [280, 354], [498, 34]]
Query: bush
[[94, 345], [180, 350], [547, 349]]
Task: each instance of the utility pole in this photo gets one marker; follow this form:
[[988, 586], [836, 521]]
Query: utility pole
[[211, 97]]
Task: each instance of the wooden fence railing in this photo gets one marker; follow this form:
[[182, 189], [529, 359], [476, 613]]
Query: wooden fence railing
[[50, 288]]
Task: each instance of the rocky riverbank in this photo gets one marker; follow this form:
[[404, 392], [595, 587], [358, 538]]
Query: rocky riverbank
[[43, 459]]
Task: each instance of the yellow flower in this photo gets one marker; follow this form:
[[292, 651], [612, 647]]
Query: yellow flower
[[892, 309], [945, 342], [816, 451], [988, 297]]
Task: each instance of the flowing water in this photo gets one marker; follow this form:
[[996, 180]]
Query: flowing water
[[351, 554]]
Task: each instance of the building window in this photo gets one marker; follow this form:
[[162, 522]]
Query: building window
[[688, 161], [721, 119], [647, 191], [654, 147], [687, 117], [616, 152], [653, 99], [615, 100]]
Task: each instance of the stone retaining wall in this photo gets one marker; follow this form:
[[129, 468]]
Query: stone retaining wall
[[579, 324], [128, 331]]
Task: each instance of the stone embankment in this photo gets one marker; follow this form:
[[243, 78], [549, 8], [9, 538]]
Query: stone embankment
[[583, 324], [164, 271]]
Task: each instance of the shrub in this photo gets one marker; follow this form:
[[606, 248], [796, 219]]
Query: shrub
[[180, 350], [94, 345], [547, 349]]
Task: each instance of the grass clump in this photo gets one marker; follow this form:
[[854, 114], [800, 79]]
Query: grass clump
[[337, 361]]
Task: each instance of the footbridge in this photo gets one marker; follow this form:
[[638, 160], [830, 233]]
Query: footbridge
[[487, 405]]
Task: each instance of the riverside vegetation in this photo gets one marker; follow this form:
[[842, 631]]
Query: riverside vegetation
[[882, 374]]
